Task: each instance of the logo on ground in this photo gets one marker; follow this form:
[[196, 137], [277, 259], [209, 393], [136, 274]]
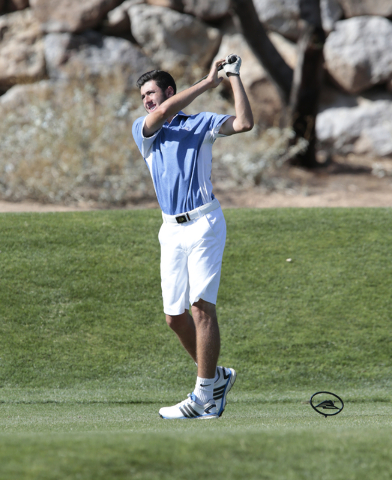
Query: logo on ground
[[326, 403]]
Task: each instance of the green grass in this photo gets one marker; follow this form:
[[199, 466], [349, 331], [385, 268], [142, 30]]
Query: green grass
[[272, 441], [86, 358]]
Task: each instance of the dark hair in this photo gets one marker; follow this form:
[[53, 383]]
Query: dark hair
[[162, 79]]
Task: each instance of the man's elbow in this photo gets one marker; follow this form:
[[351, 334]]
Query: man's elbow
[[247, 126], [162, 113]]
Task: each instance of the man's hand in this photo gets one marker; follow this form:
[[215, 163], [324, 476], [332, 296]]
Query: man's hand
[[213, 78], [232, 68]]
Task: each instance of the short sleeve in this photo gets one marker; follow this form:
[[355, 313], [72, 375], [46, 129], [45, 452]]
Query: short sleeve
[[217, 122], [144, 143]]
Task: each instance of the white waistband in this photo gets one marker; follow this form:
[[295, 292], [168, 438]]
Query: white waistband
[[193, 214]]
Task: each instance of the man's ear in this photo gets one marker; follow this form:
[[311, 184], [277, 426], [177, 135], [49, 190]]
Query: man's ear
[[169, 92]]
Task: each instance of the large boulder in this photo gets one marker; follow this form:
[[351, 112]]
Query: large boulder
[[353, 8], [174, 40], [365, 128], [71, 15], [281, 16], [92, 55], [19, 97], [358, 53], [21, 49], [207, 10]]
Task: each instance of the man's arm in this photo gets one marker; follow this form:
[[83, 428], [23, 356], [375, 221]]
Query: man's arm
[[170, 107], [243, 119]]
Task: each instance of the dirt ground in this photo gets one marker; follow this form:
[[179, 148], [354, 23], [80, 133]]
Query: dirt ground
[[348, 182]]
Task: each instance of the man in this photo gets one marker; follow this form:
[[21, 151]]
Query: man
[[177, 149]]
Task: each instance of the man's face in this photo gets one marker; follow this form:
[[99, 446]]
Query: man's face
[[153, 96]]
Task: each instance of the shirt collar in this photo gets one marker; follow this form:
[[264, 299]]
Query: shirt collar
[[179, 114], [182, 114]]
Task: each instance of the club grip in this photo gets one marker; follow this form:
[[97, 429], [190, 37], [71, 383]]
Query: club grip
[[231, 59]]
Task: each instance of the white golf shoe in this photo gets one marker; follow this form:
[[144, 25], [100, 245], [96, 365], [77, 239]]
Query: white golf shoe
[[189, 410], [222, 387]]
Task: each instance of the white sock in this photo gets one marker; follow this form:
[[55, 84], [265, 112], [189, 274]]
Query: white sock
[[204, 390]]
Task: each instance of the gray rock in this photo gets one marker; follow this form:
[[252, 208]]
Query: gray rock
[[71, 15], [20, 96], [94, 55], [353, 8], [21, 49], [376, 140], [206, 9], [173, 40], [281, 16], [358, 53], [363, 128]]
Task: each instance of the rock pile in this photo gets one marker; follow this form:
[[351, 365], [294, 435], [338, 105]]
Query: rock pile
[[56, 55]]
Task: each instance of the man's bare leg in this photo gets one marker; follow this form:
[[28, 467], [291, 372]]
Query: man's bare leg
[[207, 338], [184, 327], [199, 335]]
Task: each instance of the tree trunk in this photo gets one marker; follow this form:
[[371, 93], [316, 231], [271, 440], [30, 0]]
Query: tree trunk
[[299, 90], [277, 69], [307, 80]]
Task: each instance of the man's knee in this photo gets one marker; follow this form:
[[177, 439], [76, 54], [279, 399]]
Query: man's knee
[[204, 311], [177, 322]]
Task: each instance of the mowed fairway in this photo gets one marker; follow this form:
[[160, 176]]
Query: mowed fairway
[[86, 359]]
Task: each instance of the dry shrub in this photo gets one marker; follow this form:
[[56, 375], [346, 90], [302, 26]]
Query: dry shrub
[[74, 146]]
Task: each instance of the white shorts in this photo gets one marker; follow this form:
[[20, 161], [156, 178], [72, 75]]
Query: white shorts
[[191, 261]]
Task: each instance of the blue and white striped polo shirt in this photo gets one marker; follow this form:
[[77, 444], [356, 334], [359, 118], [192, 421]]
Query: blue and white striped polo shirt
[[179, 157]]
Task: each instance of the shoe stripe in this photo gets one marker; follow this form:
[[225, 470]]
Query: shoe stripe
[[195, 414], [219, 389], [190, 412], [218, 394], [184, 412]]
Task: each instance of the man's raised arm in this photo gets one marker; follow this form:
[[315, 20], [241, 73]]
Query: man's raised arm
[[172, 104], [243, 119]]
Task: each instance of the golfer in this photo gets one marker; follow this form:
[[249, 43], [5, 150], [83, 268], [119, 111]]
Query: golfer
[[178, 151]]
